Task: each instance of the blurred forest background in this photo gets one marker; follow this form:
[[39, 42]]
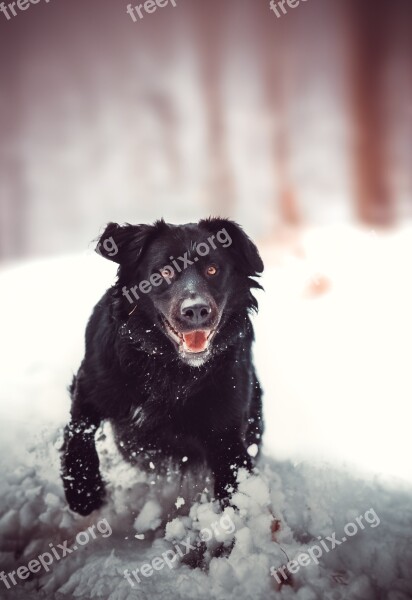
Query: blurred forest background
[[212, 107]]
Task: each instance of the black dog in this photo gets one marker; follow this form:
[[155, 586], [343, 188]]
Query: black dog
[[168, 357]]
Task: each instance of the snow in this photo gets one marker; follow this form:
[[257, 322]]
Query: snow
[[149, 517], [333, 353], [179, 502]]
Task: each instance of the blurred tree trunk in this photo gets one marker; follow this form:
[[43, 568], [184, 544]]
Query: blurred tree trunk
[[369, 40], [276, 61], [209, 27], [13, 199]]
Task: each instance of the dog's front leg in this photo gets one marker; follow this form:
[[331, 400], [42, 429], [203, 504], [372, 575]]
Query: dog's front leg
[[227, 454], [83, 484]]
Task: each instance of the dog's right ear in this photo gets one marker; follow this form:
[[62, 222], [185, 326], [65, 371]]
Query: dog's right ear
[[123, 243]]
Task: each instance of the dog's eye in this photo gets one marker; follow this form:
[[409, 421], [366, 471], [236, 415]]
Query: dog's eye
[[211, 270], [167, 273]]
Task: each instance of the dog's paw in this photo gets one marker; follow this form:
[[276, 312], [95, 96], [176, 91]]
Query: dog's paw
[[196, 558], [85, 507], [200, 557], [85, 500]]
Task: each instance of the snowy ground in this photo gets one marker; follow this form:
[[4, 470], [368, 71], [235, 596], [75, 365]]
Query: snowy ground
[[333, 352]]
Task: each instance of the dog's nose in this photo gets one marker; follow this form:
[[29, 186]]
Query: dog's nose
[[195, 311]]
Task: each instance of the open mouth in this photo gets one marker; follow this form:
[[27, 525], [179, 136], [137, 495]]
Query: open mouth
[[193, 342]]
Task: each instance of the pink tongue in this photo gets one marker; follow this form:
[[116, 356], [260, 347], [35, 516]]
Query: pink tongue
[[196, 341]]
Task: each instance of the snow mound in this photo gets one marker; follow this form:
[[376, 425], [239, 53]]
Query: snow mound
[[334, 397]]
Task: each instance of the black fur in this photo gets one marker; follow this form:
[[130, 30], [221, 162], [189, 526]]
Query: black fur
[[163, 401]]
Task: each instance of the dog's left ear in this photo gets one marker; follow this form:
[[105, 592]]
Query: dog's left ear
[[124, 243], [228, 233]]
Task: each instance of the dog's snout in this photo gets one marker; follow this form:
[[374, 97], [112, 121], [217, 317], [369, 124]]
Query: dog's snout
[[195, 311]]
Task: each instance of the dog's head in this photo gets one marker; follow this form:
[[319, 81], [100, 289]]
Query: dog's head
[[190, 282]]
